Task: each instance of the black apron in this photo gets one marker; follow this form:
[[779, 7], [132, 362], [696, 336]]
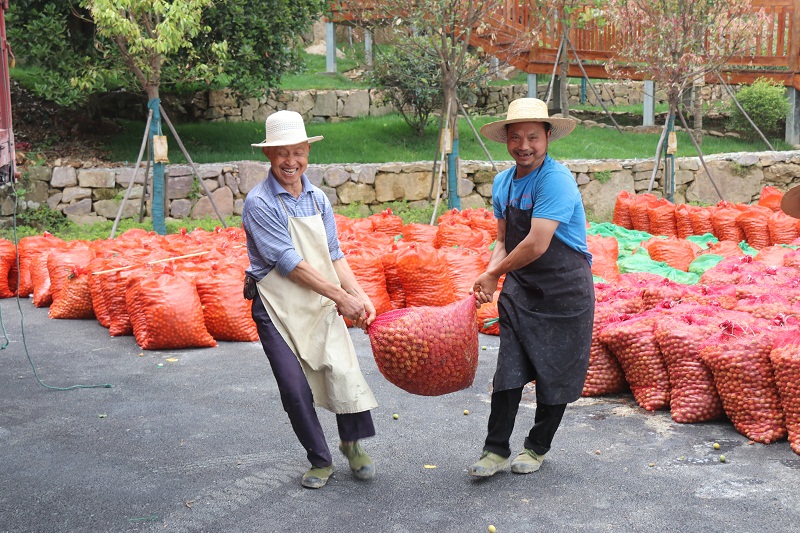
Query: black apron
[[546, 311]]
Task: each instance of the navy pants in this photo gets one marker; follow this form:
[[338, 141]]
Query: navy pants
[[296, 395], [505, 405]]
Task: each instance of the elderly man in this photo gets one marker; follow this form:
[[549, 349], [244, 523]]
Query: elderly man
[[304, 284], [546, 306]]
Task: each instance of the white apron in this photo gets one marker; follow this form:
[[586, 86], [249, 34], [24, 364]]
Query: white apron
[[311, 326]]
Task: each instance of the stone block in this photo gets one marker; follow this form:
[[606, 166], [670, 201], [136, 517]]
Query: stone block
[[251, 173], [211, 185], [465, 187], [125, 175], [232, 183], [64, 177], [75, 193], [180, 208], [110, 208], [223, 199], [7, 207], [473, 201], [330, 192], [316, 174], [179, 187], [350, 193], [177, 171], [599, 199], [408, 186], [734, 188], [223, 98], [53, 201], [95, 178], [37, 191], [484, 189], [39, 173], [238, 207], [325, 104], [356, 105], [81, 207], [336, 176], [103, 194], [366, 174], [86, 220]]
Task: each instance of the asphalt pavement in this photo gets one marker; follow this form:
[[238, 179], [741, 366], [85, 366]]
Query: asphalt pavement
[[197, 440]]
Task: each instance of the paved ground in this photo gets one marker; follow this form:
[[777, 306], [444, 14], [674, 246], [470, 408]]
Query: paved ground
[[196, 440]]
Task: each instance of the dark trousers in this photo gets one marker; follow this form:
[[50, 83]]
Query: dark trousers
[[296, 395], [505, 405]]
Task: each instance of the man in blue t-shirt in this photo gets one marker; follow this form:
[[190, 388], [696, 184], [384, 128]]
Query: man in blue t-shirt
[[546, 307]]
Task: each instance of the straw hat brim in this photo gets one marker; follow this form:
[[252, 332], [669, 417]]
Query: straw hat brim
[[790, 203], [496, 131], [288, 142]]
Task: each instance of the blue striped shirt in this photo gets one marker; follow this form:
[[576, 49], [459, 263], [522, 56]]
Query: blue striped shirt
[[266, 224]]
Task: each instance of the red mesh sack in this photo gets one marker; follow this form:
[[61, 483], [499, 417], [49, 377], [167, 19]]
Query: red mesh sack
[[226, 314], [755, 225], [8, 269], [662, 219], [792, 260], [368, 270], [683, 222], [74, 300], [605, 252], [393, 285], [62, 262], [422, 233], [624, 300], [386, 222], [423, 275], [343, 223], [463, 267], [663, 290], [766, 306], [453, 216], [725, 227], [677, 253], [482, 219], [166, 313], [693, 397], [772, 255], [785, 358], [770, 198], [701, 220], [40, 278], [634, 345], [108, 295], [739, 359], [622, 210], [605, 375], [783, 229], [640, 208], [428, 351], [28, 248], [462, 236], [725, 249], [723, 296]]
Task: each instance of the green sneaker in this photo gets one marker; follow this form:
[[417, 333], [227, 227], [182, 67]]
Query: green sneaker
[[526, 462], [317, 477], [360, 463], [488, 465]]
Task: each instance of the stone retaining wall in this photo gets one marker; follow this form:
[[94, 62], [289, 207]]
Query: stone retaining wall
[[332, 105], [88, 195]]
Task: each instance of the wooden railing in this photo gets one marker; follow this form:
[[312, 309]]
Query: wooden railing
[[773, 54]]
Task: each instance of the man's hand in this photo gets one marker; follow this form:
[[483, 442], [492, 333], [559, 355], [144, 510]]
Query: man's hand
[[484, 288]]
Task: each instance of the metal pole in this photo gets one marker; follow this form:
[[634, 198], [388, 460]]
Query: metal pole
[[135, 172]]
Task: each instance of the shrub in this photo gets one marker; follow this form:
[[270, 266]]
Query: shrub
[[765, 102]]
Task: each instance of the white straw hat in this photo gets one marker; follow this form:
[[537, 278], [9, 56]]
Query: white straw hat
[[528, 110], [286, 128]]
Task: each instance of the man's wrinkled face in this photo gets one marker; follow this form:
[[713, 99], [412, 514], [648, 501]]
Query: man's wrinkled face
[[288, 162], [527, 143]]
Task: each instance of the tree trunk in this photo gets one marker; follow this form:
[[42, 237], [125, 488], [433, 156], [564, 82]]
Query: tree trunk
[[697, 108], [564, 76]]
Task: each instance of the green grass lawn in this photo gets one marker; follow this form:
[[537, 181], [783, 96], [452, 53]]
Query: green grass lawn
[[389, 139]]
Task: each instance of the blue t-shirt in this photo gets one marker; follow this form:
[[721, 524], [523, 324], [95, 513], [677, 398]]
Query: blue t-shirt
[[554, 195]]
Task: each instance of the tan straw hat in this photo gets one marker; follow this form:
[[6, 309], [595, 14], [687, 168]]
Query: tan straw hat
[[790, 203], [528, 110], [286, 128]]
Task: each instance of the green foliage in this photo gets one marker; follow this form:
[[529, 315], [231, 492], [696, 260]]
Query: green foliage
[[260, 38], [410, 78], [603, 176], [766, 104], [42, 219]]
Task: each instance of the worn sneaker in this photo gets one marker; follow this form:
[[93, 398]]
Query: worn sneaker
[[488, 465], [360, 463], [317, 477], [526, 462]]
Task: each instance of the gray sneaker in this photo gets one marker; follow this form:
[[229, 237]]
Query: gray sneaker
[[488, 465], [526, 462]]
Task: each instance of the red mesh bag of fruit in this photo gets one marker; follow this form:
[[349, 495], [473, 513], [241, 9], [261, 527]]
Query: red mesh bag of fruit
[[766, 306], [771, 198], [463, 266], [462, 236], [226, 313], [489, 318], [387, 222], [423, 274], [755, 225], [772, 255], [166, 312], [693, 396], [725, 227], [683, 223], [605, 375], [74, 300], [61, 264], [624, 300], [622, 210], [428, 351], [634, 345], [393, 285], [28, 249], [723, 296], [483, 218], [663, 290], [785, 357], [701, 220], [662, 219], [605, 252], [739, 359], [639, 210], [8, 269], [422, 233], [367, 268], [677, 253], [783, 229]]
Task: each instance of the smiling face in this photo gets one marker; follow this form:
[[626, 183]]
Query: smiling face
[[527, 144], [288, 164]]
